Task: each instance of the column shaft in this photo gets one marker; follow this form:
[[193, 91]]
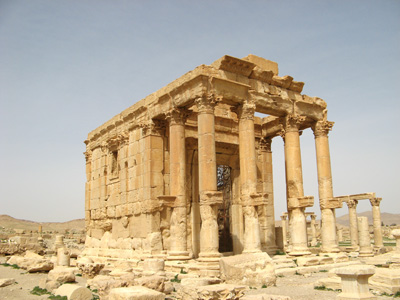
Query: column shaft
[[268, 188], [294, 185], [177, 157], [248, 177], [377, 223], [325, 190], [352, 204], [209, 242]]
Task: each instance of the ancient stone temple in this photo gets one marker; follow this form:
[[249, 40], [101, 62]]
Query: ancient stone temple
[[187, 171]]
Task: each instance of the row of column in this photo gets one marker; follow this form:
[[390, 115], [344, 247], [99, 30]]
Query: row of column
[[250, 199], [353, 222]]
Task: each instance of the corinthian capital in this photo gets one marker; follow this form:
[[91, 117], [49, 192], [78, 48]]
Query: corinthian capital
[[265, 144], [206, 104], [292, 122], [177, 116], [322, 128], [375, 201], [246, 110], [153, 127], [352, 203]]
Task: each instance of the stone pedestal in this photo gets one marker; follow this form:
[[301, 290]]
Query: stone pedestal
[[355, 283], [313, 231], [364, 239], [294, 183], [63, 257], [59, 242], [377, 223]]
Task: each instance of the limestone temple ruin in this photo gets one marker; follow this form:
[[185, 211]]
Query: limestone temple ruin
[[187, 172]]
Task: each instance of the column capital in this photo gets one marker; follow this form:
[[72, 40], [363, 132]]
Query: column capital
[[322, 128], [265, 144], [313, 217], [207, 103], [375, 201], [291, 123], [352, 203], [283, 218], [88, 155], [246, 110], [177, 116]]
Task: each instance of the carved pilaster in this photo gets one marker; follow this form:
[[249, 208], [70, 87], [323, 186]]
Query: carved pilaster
[[153, 127], [119, 141], [206, 104], [352, 203], [375, 201], [322, 128], [265, 144]]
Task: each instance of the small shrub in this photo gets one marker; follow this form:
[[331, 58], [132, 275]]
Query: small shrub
[[323, 271], [183, 271], [176, 279], [278, 252], [320, 287], [58, 297], [264, 286], [39, 291], [79, 275], [297, 273]]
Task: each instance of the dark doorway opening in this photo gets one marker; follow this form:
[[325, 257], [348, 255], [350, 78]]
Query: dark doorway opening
[[224, 184]]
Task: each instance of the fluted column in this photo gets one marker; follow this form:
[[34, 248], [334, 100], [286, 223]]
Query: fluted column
[[326, 200], [296, 201], [248, 177], [284, 231], [177, 159], [268, 188], [209, 196], [364, 239], [377, 223], [352, 205]]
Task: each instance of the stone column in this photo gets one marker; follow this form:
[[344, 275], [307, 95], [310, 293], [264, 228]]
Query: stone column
[[340, 234], [284, 231], [364, 239], [326, 200], [209, 196], [376, 215], [177, 159], [248, 177], [313, 230], [352, 205], [268, 188], [296, 202]]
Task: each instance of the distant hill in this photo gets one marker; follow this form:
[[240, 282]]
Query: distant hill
[[386, 218], [12, 223]]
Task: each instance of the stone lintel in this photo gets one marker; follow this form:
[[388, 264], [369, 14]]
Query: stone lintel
[[210, 198], [330, 203], [365, 196], [306, 201], [262, 63]]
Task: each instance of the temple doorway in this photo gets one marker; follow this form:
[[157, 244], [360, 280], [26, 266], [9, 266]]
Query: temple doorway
[[224, 184]]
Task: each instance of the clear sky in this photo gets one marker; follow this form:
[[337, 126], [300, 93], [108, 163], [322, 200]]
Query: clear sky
[[66, 67]]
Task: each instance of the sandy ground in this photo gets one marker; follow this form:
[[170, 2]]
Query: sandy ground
[[25, 282], [297, 287]]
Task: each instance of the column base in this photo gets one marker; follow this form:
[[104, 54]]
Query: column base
[[333, 249], [272, 250], [209, 257], [178, 255], [299, 251], [250, 251]]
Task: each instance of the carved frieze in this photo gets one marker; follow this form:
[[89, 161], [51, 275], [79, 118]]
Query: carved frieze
[[300, 202], [246, 110], [330, 203]]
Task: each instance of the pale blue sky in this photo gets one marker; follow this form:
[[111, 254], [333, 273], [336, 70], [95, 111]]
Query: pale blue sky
[[66, 67]]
